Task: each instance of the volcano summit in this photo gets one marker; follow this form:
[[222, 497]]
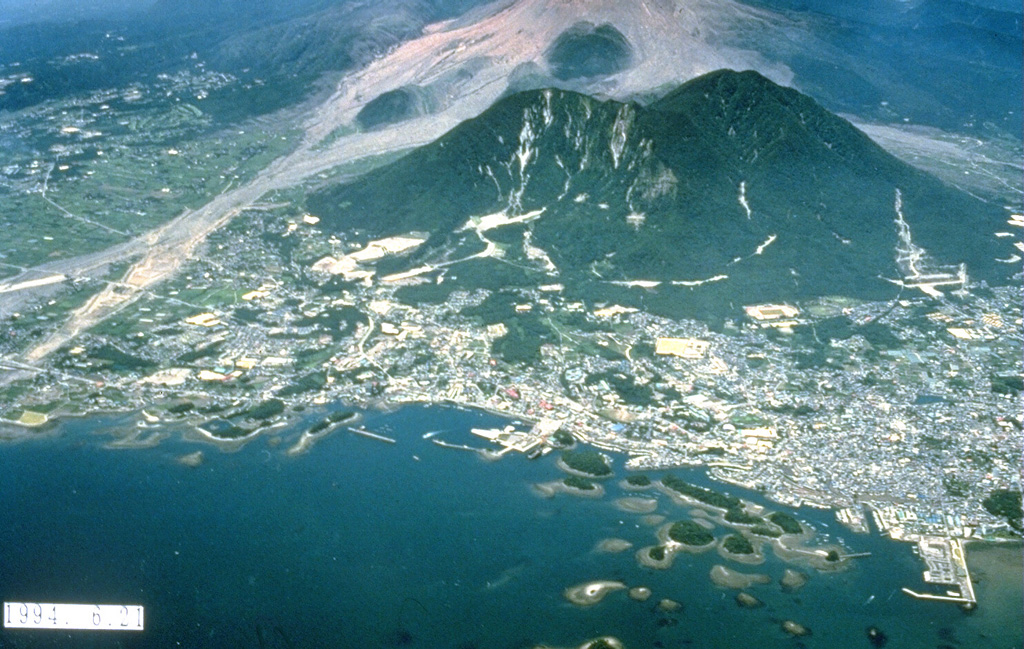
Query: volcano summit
[[730, 177]]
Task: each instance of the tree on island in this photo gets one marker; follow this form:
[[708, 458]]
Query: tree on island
[[586, 461], [638, 480], [341, 415], [689, 533], [265, 410], [319, 426], [832, 556], [739, 515], [701, 494], [787, 523], [765, 530], [657, 553], [562, 439], [576, 482], [737, 544]]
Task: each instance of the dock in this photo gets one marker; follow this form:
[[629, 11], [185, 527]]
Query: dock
[[524, 442], [461, 447], [947, 565], [366, 433], [938, 598], [853, 518]]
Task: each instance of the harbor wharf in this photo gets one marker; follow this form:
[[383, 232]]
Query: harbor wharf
[[947, 565]]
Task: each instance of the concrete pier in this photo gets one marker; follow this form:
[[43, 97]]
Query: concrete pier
[[366, 433], [947, 565]]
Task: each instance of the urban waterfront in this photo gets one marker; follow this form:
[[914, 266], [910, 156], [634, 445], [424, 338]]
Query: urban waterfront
[[362, 543]]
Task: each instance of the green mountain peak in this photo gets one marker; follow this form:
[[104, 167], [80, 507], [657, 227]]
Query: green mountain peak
[[728, 176]]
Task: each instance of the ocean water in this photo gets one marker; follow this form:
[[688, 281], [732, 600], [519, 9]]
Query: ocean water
[[358, 543]]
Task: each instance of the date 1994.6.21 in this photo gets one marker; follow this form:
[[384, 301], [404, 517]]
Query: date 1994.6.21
[[85, 617]]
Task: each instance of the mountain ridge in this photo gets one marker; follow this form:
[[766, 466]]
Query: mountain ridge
[[730, 174]]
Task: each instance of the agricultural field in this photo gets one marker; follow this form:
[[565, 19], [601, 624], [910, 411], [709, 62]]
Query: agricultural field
[[86, 172]]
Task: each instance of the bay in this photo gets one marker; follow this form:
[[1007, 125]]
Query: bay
[[360, 543]]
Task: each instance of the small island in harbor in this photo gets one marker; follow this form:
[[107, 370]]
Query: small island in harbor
[[658, 557], [753, 526], [638, 482], [828, 558], [690, 494], [691, 534], [635, 505], [682, 536], [794, 629], [746, 600], [576, 482], [765, 531], [573, 485], [585, 463], [793, 580], [737, 544], [604, 642], [738, 547], [593, 592], [786, 523], [582, 487], [193, 459], [729, 510], [613, 545], [225, 432], [729, 578]]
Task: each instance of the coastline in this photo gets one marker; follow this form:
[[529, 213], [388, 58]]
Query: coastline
[[321, 457], [788, 548], [15, 431]]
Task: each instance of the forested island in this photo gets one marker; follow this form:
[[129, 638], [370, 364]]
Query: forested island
[[737, 544], [706, 496], [766, 530], [589, 462], [333, 418], [690, 533], [786, 523], [576, 482]]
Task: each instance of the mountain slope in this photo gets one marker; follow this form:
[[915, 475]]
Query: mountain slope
[[729, 175]]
